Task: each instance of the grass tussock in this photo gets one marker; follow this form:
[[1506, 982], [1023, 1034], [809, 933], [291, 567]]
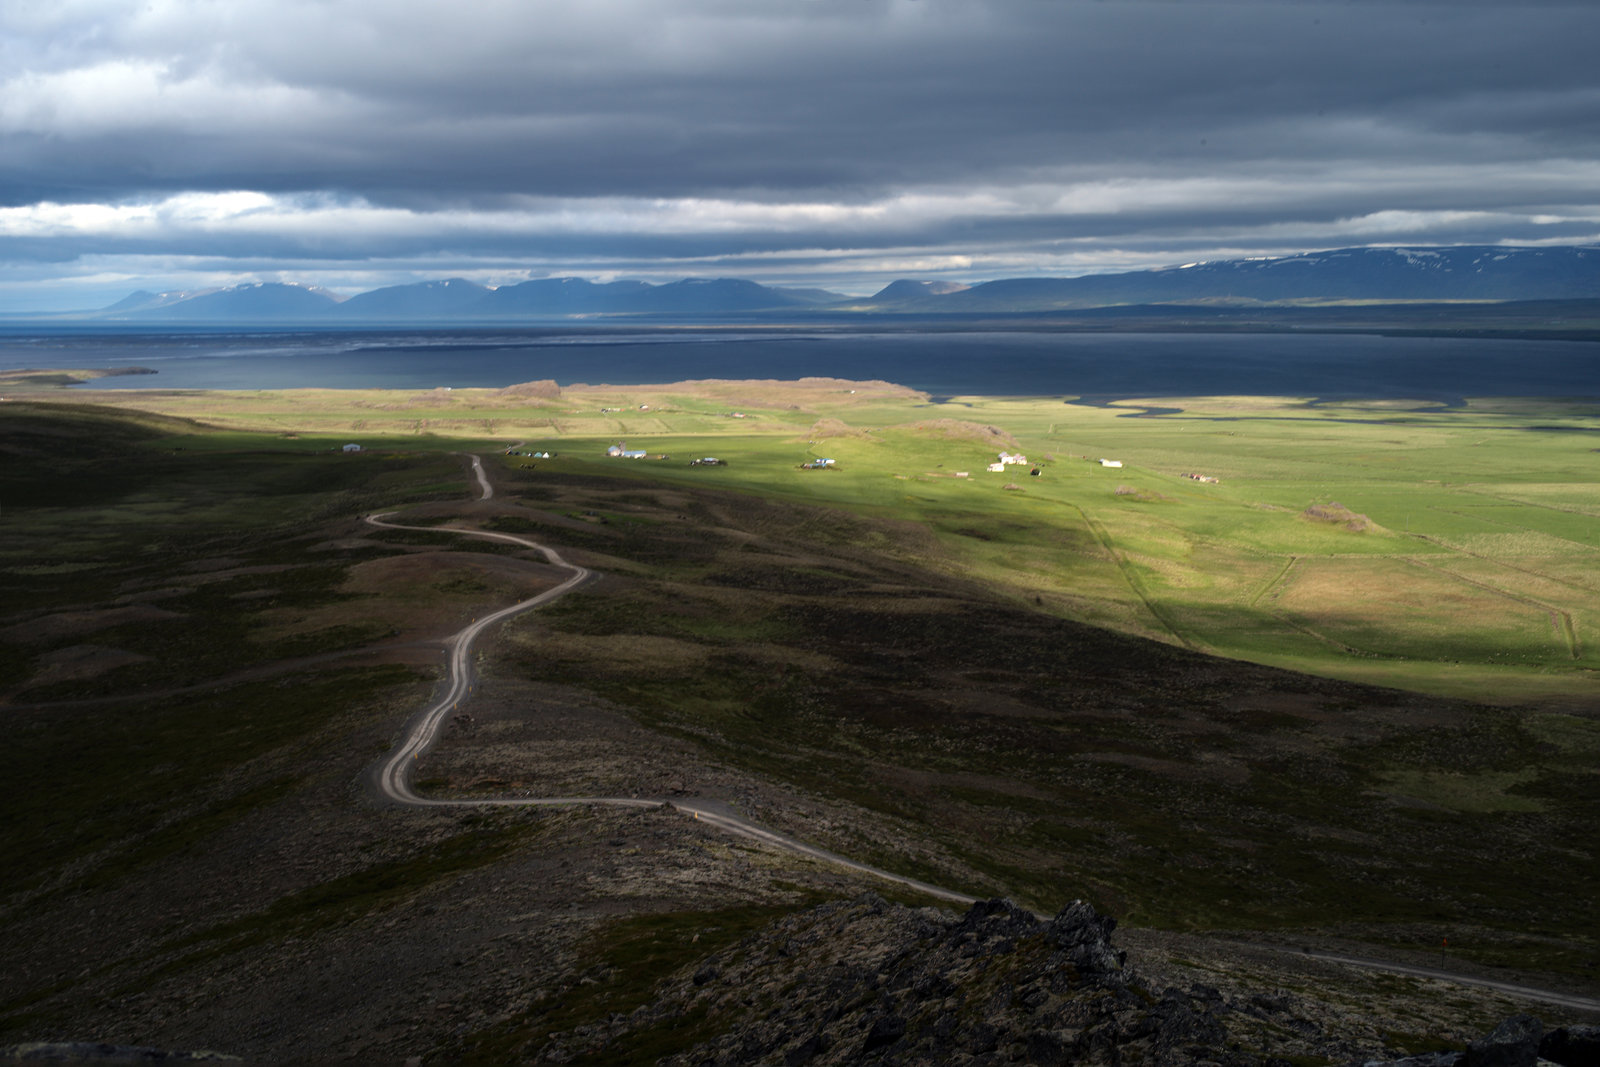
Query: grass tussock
[[1338, 515]]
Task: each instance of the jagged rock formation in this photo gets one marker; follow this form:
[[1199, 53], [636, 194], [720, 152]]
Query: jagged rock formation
[[867, 981], [1520, 1041], [864, 981]]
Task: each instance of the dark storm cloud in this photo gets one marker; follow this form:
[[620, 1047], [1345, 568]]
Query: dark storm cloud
[[621, 130], [839, 97]]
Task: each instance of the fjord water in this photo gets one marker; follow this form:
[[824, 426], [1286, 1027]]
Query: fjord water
[[949, 363]]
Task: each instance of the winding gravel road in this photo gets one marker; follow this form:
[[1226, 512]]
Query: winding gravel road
[[394, 775], [1566, 1000]]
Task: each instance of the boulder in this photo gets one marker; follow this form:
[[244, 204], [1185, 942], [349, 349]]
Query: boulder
[[1572, 1046], [1514, 1043], [1085, 936]]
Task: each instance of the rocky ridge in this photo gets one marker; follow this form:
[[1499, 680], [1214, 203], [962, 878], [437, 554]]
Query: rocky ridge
[[866, 981]]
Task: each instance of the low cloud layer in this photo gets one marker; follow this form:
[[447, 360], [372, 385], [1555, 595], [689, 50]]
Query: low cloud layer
[[183, 143]]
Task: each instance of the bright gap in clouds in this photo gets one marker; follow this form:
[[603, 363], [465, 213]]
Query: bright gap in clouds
[[1090, 226]]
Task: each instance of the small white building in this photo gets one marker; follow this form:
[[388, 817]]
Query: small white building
[[997, 468], [352, 448], [1111, 463], [1013, 459]]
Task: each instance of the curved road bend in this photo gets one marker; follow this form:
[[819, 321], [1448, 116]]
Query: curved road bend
[[395, 774], [1566, 1000], [486, 491]]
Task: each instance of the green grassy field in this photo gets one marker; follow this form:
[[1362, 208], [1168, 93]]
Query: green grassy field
[[1010, 750], [1473, 572], [887, 633]]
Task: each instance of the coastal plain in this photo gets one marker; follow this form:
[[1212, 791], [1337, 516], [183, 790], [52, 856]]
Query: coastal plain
[[1294, 670], [1460, 559]]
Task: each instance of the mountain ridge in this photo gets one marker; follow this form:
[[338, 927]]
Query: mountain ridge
[[1468, 273]]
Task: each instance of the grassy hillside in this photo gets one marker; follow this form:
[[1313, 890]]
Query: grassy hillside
[[1462, 562], [1010, 751], [204, 648]]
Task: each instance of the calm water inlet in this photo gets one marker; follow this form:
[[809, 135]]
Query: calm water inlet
[[1102, 366]]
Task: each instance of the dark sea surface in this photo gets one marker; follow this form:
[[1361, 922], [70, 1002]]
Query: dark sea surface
[[1024, 363]]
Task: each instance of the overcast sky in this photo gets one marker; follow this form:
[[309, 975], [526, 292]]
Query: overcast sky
[[840, 143]]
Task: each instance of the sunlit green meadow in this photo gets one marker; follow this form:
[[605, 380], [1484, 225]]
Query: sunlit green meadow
[[1475, 570], [815, 647]]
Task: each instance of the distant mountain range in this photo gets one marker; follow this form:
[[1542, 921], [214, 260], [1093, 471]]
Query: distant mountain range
[[1343, 276], [1347, 274]]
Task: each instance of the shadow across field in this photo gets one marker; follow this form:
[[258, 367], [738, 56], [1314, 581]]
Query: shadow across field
[[1019, 752], [192, 859]]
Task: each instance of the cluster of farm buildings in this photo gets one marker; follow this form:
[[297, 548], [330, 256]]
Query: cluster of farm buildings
[[622, 451], [1003, 460]]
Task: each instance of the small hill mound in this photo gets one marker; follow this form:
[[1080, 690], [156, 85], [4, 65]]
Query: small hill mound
[[1143, 496], [434, 398], [545, 389], [959, 430], [1337, 514], [831, 427]]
